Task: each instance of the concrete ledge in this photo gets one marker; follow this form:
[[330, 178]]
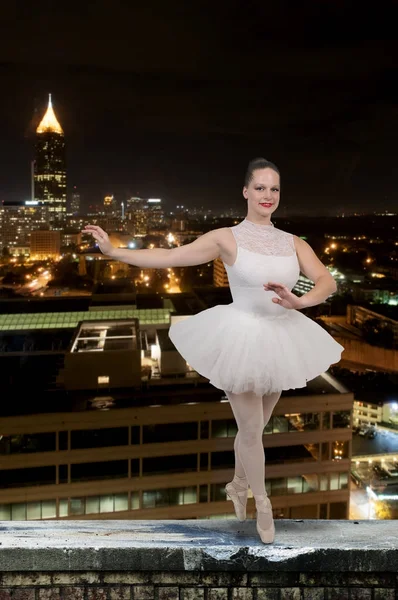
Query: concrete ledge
[[198, 545]]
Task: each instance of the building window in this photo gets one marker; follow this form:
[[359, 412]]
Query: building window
[[48, 509], [323, 511], [325, 446], [338, 510], [27, 443], [301, 484], [203, 493], [223, 460], [106, 504], [169, 497], [99, 438], [323, 482], [289, 454], [295, 485], [204, 430], [63, 507], [12, 478], [169, 432], [94, 505], [223, 428], [135, 467], [135, 434], [63, 474], [113, 469], [293, 422], [326, 420], [63, 440], [340, 449], [135, 500], [341, 418], [204, 461], [76, 506], [339, 481], [26, 511], [158, 465], [217, 492]]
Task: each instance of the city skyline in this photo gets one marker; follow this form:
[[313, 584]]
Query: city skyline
[[181, 119]]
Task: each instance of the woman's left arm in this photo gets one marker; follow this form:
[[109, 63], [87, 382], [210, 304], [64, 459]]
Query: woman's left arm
[[316, 271]]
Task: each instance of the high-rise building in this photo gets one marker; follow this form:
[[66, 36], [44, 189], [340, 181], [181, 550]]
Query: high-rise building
[[109, 204], [110, 454], [49, 168], [17, 221], [74, 202], [45, 244], [155, 212]]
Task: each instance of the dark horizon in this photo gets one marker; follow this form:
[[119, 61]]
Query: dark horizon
[[175, 104]]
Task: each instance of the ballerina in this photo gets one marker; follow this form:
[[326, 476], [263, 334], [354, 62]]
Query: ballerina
[[260, 344]]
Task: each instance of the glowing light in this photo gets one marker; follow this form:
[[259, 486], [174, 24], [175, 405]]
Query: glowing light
[[49, 122]]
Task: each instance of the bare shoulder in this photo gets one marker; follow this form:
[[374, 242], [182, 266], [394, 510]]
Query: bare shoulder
[[223, 233], [226, 243], [220, 235], [300, 244], [297, 241], [309, 263]]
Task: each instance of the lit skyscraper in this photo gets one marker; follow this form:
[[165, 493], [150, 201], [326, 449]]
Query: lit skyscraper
[[74, 202], [49, 168]]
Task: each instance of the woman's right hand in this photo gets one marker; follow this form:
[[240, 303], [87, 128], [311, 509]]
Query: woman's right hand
[[101, 237]]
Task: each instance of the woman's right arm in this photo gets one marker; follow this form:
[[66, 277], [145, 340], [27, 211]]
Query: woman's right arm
[[204, 249]]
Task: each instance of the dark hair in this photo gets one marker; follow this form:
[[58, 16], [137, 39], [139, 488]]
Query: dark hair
[[258, 163]]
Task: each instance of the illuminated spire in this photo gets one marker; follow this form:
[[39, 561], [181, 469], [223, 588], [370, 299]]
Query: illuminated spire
[[49, 121]]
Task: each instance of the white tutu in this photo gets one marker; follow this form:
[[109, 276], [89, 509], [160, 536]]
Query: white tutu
[[254, 343], [238, 351]]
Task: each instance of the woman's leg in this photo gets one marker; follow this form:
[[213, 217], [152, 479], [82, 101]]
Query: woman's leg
[[248, 412], [251, 412], [269, 402]]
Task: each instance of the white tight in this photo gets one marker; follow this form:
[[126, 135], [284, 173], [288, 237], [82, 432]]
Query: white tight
[[252, 414]]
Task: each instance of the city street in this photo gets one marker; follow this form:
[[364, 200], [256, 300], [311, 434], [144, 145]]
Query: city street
[[385, 442]]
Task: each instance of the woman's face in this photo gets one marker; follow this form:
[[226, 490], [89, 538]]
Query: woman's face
[[263, 188]]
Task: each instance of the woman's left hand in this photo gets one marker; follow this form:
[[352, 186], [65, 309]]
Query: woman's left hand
[[286, 298]]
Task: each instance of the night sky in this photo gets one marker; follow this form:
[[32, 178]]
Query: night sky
[[172, 99]]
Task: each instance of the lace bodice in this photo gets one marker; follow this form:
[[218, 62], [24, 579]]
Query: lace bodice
[[263, 239], [264, 253]]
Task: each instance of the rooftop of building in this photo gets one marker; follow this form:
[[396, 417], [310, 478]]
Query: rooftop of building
[[166, 393], [70, 319], [358, 548], [105, 336]]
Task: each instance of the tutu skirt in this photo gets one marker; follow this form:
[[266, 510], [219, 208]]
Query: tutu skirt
[[239, 351]]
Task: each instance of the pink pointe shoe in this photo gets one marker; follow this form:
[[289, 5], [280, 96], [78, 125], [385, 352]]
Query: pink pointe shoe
[[263, 505], [238, 497]]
